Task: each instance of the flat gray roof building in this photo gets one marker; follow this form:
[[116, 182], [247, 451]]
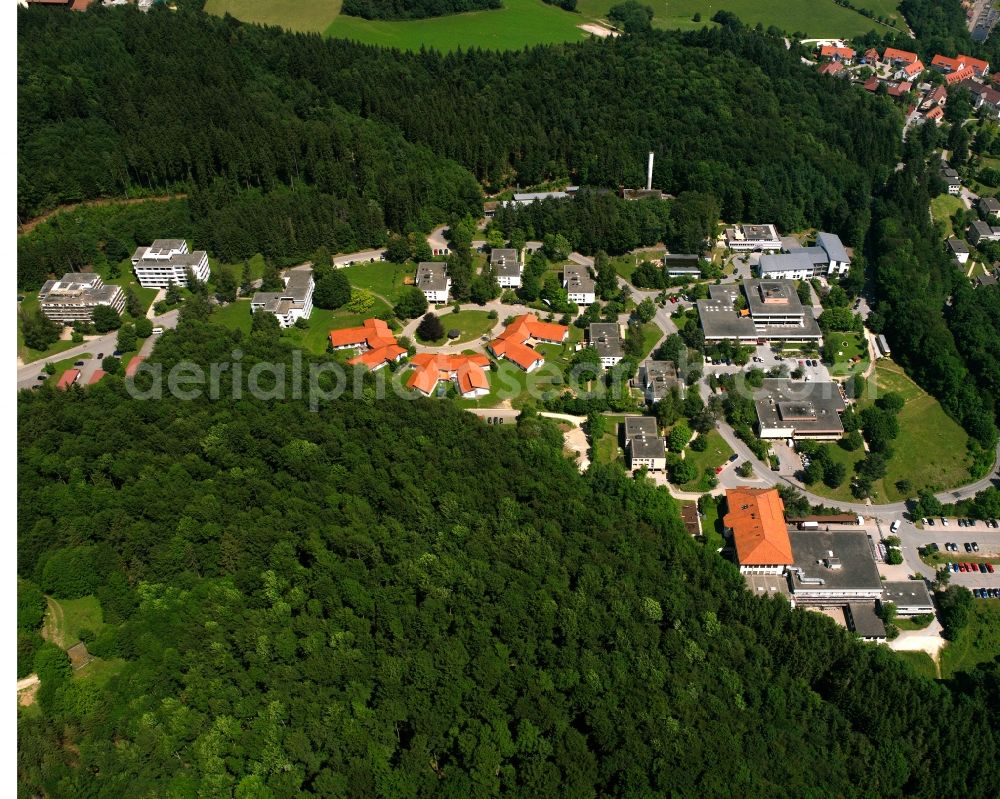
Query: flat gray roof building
[[640, 426], [657, 378], [578, 280], [431, 276], [505, 262], [910, 597], [862, 619], [605, 337], [774, 312], [768, 584], [833, 567], [794, 409]]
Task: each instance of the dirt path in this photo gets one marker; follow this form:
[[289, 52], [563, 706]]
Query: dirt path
[[27, 689], [31, 224], [52, 629]]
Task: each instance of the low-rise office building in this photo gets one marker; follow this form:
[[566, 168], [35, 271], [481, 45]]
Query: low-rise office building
[[910, 597], [959, 250], [681, 265], [606, 338], [798, 410], [643, 444], [294, 302], [75, 295], [773, 312], [833, 567], [862, 619], [579, 284], [748, 238], [507, 266], [432, 279], [827, 257], [167, 262]]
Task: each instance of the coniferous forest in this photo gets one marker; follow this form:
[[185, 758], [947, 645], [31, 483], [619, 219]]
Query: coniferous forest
[[387, 598]]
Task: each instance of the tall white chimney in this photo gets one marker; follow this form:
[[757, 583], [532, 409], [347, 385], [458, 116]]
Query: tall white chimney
[[649, 173]]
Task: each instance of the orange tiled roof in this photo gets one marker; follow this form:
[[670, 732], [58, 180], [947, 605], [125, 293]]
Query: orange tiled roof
[[831, 68], [944, 62], [914, 69], [379, 356], [757, 518], [96, 377], [431, 368], [829, 51], [511, 344], [977, 64], [372, 330], [934, 113], [892, 54], [133, 365], [962, 74]]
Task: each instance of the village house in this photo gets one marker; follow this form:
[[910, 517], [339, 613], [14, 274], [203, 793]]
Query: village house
[[374, 342], [432, 279], [959, 249]]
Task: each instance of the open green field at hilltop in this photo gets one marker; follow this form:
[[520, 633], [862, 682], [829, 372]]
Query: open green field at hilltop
[[520, 23], [814, 17], [296, 15]]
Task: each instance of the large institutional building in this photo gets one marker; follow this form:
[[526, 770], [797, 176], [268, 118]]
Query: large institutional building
[[166, 262], [74, 297]]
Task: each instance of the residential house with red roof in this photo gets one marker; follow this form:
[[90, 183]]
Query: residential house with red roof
[[960, 62], [374, 341], [935, 115], [832, 68], [756, 521], [893, 56], [910, 70], [842, 54], [96, 377], [965, 73], [938, 96], [899, 89], [515, 342], [871, 57], [468, 372]]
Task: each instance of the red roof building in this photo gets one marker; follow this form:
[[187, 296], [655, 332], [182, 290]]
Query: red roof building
[[376, 344], [936, 115], [513, 343], [757, 519], [871, 56], [956, 77], [899, 89], [69, 377], [894, 56], [912, 70], [96, 377], [871, 84], [836, 53], [468, 372], [831, 68]]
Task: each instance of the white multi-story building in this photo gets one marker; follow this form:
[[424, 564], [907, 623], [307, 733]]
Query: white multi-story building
[[747, 238], [606, 338], [579, 284], [432, 279], [828, 257], [507, 266], [644, 444], [74, 297], [166, 262], [294, 302]]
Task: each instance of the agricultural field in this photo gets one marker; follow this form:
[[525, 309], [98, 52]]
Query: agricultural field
[[296, 15]]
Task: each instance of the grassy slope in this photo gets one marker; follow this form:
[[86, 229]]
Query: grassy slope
[[920, 662], [814, 17], [518, 24], [296, 15], [384, 279], [718, 453], [977, 643], [942, 208], [66, 617]]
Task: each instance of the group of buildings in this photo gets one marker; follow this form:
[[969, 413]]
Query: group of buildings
[[75, 296], [829, 567], [767, 310]]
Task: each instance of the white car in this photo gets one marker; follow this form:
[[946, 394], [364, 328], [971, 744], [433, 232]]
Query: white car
[[894, 526], [944, 522]]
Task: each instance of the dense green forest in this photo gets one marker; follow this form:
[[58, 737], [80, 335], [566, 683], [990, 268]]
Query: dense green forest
[[412, 9], [388, 598], [728, 112], [943, 331]]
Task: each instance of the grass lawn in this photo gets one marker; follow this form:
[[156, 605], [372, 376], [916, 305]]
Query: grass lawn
[[383, 278], [99, 671], [510, 383], [471, 324], [843, 492], [811, 17], [711, 525], [715, 455], [915, 623], [921, 663], [65, 365], [849, 345], [651, 333], [930, 451], [518, 24], [943, 208], [625, 265], [30, 305], [66, 617], [978, 643], [607, 448], [255, 267], [235, 316], [296, 15]]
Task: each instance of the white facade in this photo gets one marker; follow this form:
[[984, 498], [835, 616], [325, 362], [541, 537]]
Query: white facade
[[74, 297], [166, 262], [291, 304], [579, 285], [747, 238], [432, 279]]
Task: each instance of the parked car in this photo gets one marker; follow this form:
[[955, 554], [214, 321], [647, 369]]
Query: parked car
[[976, 594], [733, 457], [78, 363], [944, 522], [42, 377], [100, 355], [894, 526], [982, 568], [989, 568], [968, 547], [929, 522], [975, 547]]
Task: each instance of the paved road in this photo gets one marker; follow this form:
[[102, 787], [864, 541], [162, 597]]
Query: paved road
[[27, 375]]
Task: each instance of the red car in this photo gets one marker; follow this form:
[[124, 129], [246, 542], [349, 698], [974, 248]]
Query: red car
[[962, 567], [989, 568], [718, 469]]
